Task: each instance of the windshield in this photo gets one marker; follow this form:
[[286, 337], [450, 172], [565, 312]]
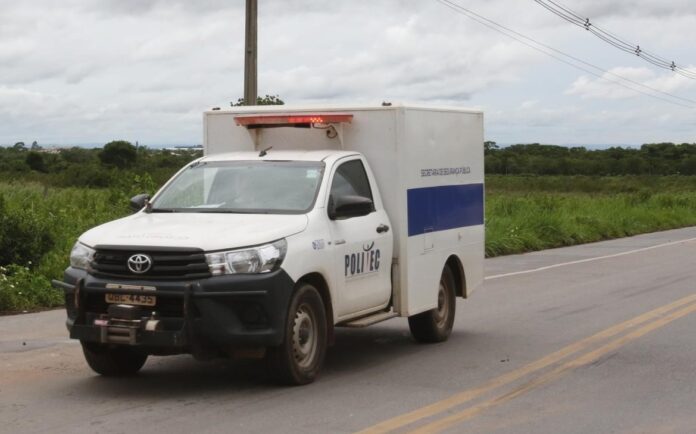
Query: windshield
[[253, 187]]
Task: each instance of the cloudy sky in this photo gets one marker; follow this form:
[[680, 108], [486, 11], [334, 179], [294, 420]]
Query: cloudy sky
[[89, 71]]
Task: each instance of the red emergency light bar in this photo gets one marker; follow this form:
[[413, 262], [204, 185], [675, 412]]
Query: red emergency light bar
[[303, 119]]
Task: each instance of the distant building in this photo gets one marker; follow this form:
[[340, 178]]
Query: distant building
[[180, 148]]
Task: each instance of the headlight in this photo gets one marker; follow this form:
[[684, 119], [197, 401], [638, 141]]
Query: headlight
[[81, 256], [261, 259]]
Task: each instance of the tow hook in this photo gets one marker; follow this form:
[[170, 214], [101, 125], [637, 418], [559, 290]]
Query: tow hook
[[123, 322]]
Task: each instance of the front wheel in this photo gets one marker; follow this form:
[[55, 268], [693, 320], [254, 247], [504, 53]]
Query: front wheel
[[435, 325], [299, 358], [113, 361]]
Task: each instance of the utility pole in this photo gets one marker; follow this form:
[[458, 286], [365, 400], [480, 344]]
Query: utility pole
[[250, 91]]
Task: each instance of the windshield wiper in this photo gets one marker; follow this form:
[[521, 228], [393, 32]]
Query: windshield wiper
[[230, 211], [163, 210]]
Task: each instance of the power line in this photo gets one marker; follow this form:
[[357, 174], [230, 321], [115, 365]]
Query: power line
[[549, 51], [612, 39], [492, 23]]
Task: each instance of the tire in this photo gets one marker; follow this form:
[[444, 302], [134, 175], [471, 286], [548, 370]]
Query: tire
[[300, 357], [436, 324], [113, 361]]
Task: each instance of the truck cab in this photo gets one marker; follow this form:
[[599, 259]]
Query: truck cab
[[296, 221]]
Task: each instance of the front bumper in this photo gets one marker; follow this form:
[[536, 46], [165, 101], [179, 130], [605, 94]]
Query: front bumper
[[222, 312]]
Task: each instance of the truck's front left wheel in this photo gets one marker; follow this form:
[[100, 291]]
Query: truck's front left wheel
[[300, 357], [113, 361]]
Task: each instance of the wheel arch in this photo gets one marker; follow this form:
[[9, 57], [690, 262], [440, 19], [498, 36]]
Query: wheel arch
[[455, 265], [319, 282]]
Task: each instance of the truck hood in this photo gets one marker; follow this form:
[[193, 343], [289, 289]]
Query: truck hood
[[195, 230]]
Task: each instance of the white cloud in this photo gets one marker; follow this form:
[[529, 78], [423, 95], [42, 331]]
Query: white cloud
[[632, 8], [85, 71], [530, 104], [640, 79]]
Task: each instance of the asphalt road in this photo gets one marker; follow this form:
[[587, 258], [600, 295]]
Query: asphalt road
[[595, 338]]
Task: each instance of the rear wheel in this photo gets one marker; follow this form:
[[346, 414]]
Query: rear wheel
[[436, 324], [299, 358], [113, 361]]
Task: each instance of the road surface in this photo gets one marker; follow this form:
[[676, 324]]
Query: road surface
[[585, 339]]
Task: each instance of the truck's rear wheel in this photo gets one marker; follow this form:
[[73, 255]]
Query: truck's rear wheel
[[113, 361], [436, 324], [300, 357]]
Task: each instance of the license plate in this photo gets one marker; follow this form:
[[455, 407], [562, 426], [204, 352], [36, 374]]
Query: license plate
[[134, 299]]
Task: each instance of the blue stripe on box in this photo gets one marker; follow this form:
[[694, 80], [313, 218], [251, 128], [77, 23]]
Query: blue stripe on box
[[444, 207]]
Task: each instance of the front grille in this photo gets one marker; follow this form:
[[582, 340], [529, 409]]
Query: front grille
[[166, 264]]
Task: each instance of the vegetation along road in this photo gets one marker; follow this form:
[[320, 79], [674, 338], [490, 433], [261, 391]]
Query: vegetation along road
[[537, 197], [590, 338]]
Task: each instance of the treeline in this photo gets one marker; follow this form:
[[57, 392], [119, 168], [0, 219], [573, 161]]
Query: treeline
[[120, 161], [110, 166], [537, 159]]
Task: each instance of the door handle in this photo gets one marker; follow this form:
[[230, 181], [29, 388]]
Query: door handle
[[339, 242], [382, 228]]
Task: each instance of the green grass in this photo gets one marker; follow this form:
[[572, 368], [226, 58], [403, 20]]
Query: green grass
[[522, 214], [65, 213], [527, 213], [504, 184], [68, 212]]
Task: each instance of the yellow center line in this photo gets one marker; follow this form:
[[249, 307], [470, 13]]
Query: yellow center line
[[582, 360], [467, 395]]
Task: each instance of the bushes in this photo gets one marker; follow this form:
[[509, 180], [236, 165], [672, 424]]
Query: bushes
[[35, 161], [62, 213], [39, 225], [93, 168], [22, 289], [25, 236], [118, 153], [87, 175]]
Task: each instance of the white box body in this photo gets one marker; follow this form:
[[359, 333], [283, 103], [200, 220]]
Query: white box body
[[429, 168]]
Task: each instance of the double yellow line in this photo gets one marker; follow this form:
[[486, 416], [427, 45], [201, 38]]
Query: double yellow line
[[630, 330]]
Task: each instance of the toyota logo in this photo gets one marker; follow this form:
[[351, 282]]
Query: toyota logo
[[139, 263]]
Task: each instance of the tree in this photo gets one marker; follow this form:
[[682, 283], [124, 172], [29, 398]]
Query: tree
[[35, 146], [489, 146], [77, 155], [35, 161], [19, 146], [119, 153], [266, 100]]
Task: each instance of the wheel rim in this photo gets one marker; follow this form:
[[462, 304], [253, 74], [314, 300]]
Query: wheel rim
[[442, 306], [304, 336]]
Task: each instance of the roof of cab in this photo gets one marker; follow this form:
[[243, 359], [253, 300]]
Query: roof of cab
[[271, 155]]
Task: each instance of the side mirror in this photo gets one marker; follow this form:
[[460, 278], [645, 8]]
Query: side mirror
[[349, 206], [139, 201]]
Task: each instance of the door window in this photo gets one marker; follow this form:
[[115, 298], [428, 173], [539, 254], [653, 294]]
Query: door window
[[350, 179]]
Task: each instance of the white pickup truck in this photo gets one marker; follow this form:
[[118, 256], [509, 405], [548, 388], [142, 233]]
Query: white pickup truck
[[297, 220]]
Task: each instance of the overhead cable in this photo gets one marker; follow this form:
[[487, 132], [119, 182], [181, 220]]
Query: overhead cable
[[612, 39], [571, 60]]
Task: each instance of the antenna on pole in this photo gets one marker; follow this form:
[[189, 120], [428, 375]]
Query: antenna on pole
[[250, 91]]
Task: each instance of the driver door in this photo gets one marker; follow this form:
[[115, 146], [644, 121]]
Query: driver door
[[361, 254]]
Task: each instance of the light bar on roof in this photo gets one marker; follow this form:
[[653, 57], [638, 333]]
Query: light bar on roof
[[289, 120]]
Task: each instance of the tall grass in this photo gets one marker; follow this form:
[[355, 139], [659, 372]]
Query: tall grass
[[527, 213], [522, 214], [508, 184], [67, 212], [64, 213]]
